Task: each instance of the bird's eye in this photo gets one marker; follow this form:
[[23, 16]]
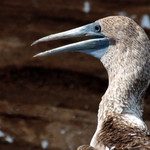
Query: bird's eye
[[97, 28]]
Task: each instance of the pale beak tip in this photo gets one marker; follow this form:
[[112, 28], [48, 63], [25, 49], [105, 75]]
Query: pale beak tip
[[37, 55], [34, 56], [34, 43]]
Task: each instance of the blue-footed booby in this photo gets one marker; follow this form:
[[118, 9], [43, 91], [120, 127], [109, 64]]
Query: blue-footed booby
[[124, 49]]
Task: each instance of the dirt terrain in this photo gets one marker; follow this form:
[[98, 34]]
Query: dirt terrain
[[52, 102]]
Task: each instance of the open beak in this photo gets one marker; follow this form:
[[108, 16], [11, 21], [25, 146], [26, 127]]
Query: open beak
[[96, 42]]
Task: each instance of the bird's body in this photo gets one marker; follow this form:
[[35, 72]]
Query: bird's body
[[120, 111], [124, 49]]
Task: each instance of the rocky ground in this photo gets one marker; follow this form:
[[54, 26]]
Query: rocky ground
[[52, 102]]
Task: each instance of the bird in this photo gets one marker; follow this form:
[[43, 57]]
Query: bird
[[124, 50]]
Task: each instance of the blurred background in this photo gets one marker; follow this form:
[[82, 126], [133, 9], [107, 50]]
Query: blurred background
[[52, 102]]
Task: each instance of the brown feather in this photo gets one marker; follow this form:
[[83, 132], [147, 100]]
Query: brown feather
[[120, 124]]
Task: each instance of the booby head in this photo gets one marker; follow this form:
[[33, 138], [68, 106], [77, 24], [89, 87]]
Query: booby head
[[106, 39]]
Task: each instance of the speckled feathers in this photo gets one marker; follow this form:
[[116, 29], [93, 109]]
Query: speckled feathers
[[127, 61]]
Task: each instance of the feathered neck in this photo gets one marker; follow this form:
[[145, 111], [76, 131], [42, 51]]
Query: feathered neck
[[124, 95], [128, 68], [121, 107]]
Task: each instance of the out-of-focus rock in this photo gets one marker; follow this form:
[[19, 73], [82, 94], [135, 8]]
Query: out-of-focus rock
[[35, 125]]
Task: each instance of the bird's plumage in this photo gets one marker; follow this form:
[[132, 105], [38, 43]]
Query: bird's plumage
[[127, 61]]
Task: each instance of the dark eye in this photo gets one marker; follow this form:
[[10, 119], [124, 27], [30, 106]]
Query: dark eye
[[98, 28]]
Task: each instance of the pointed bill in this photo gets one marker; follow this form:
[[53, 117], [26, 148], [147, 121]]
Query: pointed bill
[[84, 31], [87, 45], [96, 46]]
